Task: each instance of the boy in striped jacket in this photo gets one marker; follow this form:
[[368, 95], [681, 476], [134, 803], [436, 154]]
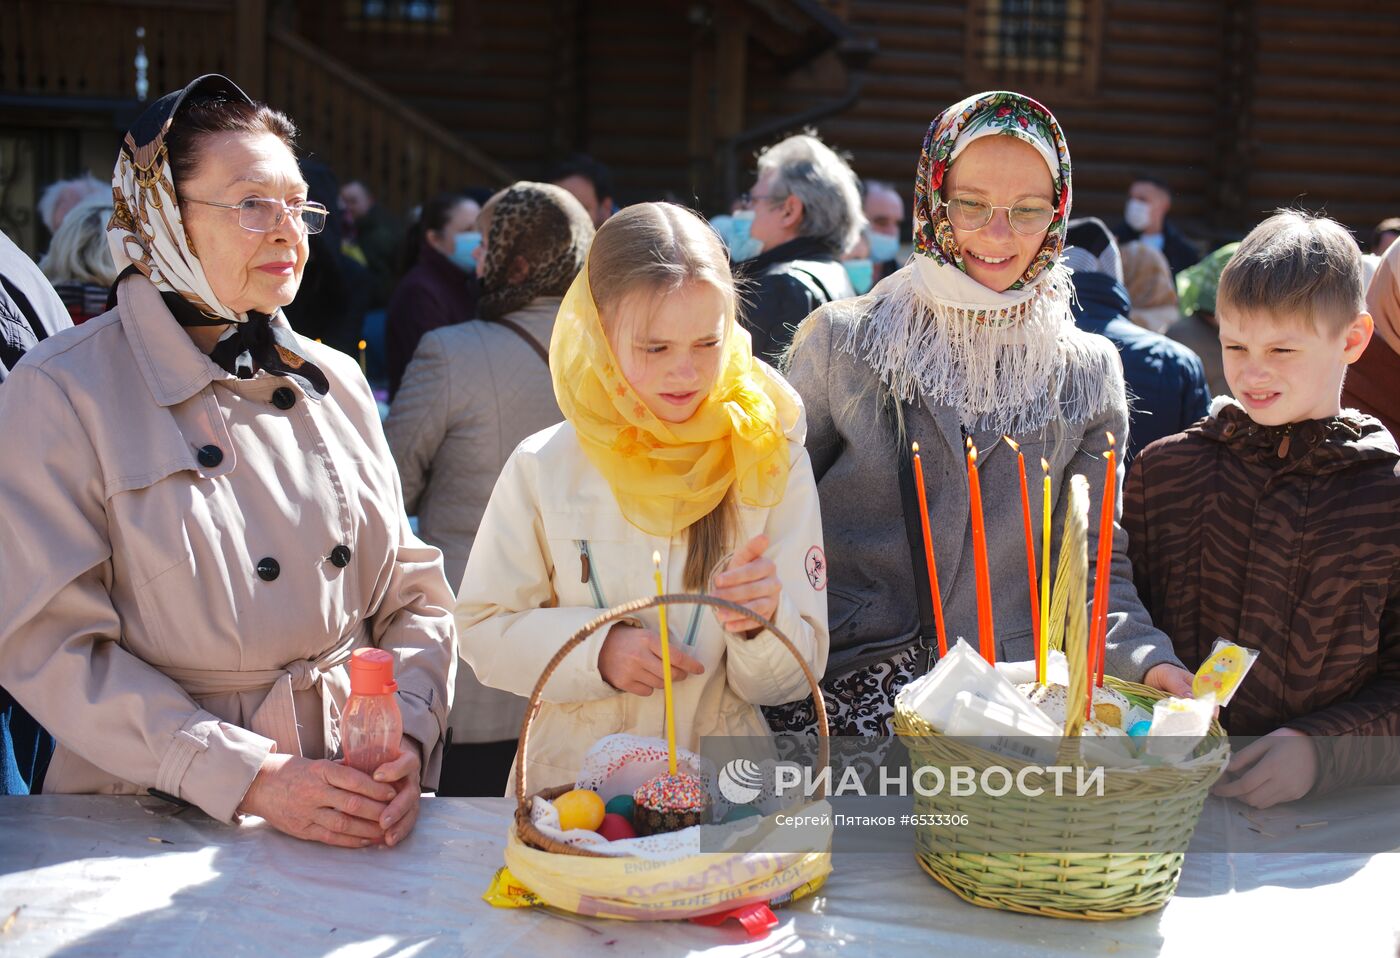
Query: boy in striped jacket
[[1274, 523]]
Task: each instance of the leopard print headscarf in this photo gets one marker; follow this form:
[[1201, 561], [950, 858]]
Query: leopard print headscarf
[[546, 226]]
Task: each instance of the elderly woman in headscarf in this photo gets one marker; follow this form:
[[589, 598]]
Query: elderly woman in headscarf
[[972, 340], [208, 515], [471, 394], [1371, 382]]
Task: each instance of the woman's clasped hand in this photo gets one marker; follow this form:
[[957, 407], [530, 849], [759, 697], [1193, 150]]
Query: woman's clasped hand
[[326, 801]]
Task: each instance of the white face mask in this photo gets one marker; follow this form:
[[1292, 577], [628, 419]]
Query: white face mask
[[1137, 214]]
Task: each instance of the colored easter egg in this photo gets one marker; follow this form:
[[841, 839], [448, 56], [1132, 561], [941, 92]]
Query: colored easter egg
[[615, 828], [1140, 729], [620, 805], [579, 808]]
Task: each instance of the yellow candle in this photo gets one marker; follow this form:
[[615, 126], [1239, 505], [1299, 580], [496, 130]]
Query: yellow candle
[[1045, 510], [666, 672], [364, 369]]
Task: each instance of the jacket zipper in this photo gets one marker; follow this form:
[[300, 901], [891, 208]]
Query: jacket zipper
[[585, 555], [585, 558]]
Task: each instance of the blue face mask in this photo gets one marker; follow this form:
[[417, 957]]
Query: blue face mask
[[862, 274], [882, 246], [734, 230], [462, 252]]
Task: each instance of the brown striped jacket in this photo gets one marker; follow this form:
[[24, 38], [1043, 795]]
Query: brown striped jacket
[[1287, 540]]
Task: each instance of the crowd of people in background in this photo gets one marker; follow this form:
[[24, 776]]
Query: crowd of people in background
[[451, 315], [807, 233]]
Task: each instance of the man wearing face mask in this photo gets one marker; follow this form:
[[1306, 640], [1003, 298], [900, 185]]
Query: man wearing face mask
[[441, 288], [1145, 218], [860, 266], [884, 208], [804, 213]]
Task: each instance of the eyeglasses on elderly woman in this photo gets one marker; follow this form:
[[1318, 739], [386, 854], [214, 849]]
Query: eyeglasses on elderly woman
[[262, 214]]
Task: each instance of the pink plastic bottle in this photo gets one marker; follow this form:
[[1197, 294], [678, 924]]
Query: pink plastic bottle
[[371, 727]]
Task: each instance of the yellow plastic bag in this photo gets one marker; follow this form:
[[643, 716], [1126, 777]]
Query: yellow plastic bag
[[637, 889], [507, 892]]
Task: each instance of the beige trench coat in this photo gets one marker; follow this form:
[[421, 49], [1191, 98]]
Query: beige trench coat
[[523, 595], [188, 559]]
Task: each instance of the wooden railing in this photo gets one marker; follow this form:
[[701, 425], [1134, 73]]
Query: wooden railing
[[84, 52]]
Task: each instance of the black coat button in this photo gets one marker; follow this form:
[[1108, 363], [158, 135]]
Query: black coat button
[[340, 556], [268, 569], [210, 456], [284, 398]]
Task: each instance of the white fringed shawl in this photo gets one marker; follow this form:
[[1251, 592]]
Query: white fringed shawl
[[1010, 362]]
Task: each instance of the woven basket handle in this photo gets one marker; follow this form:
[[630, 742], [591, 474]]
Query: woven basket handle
[[618, 613]]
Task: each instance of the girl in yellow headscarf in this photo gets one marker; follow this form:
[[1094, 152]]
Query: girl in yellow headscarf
[[676, 440]]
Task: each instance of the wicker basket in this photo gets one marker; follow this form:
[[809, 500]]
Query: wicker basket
[[1140, 808], [524, 827]]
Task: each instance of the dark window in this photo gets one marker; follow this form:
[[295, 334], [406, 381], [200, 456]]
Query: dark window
[[1049, 44]]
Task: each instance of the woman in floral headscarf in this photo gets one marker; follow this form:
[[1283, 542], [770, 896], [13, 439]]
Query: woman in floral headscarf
[[973, 339], [206, 510]]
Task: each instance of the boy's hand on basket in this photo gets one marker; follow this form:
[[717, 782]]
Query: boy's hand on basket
[[1280, 767], [751, 579], [630, 660]]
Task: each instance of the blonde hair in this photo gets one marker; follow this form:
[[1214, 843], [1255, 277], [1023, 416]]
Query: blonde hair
[[652, 250], [79, 252]]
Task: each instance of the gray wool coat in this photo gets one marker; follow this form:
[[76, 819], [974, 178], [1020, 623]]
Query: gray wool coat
[[853, 444]]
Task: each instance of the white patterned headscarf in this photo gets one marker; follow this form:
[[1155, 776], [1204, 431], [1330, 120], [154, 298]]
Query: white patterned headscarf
[[147, 230], [147, 236]]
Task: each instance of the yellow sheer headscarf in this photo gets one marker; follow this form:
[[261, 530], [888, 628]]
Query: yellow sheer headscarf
[[665, 475]]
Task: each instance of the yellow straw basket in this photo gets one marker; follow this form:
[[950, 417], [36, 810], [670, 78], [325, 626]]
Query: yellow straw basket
[[984, 857], [586, 882]]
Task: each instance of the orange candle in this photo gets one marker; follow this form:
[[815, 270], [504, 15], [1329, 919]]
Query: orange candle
[[1030, 549], [1098, 627], [986, 640], [928, 556]]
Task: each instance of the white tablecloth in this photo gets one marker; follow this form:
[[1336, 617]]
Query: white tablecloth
[[87, 879]]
